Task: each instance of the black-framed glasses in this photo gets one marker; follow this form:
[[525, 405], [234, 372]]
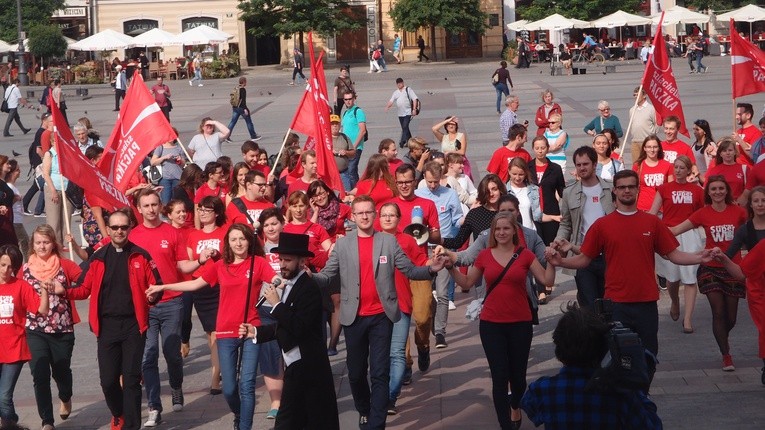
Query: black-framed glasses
[[365, 214], [261, 184], [120, 227], [405, 182]]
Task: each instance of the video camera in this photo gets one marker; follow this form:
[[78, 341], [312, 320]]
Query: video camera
[[627, 365]]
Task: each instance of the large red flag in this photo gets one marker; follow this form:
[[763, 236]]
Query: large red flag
[[139, 129], [312, 119], [747, 64], [660, 85], [76, 167]]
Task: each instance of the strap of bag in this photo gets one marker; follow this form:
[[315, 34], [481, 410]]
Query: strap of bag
[[243, 209], [491, 287]]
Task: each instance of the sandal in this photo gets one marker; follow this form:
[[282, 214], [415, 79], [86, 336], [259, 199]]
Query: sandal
[[542, 298]]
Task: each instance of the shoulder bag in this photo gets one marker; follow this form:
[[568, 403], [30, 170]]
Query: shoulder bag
[[475, 307], [4, 106]]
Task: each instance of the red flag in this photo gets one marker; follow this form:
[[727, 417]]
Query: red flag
[[139, 129], [660, 85], [312, 119], [747, 64], [76, 167]]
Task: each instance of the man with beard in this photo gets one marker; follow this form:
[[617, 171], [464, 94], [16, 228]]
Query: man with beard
[[299, 334], [629, 254]]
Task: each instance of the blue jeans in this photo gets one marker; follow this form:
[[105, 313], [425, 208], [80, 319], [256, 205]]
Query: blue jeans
[[699, 66], [353, 168], [198, 75], [346, 178], [9, 374], [167, 189], [501, 88], [247, 120], [398, 355], [591, 282], [164, 319], [241, 399], [405, 133]]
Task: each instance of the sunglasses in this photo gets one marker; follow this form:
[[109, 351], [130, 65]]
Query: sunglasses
[[119, 227], [347, 99]]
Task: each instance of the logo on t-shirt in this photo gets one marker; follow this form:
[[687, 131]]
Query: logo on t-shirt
[[654, 179], [722, 233], [164, 244], [383, 259], [208, 243], [596, 199], [670, 156], [682, 197], [6, 309]]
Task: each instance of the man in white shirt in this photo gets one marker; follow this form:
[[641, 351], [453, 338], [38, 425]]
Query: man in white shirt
[[13, 99], [120, 86], [404, 98], [643, 122]]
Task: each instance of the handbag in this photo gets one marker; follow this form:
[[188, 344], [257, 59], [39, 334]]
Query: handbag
[[475, 307], [495, 78], [4, 106], [414, 104]]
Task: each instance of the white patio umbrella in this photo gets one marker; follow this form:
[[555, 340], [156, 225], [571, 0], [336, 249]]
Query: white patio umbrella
[[202, 35], [106, 40], [680, 15], [155, 38], [517, 25], [749, 13], [556, 22], [620, 19], [5, 47], [69, 43]]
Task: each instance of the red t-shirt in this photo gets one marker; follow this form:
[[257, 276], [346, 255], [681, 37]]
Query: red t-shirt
[[233, 280], [673, 149], [393, 165], [45, 141], [650, 179], [734, 174], [262, 168], [16, 299], [429, 214], [369, 299], [205, 190], [679, 201], [381, 192], [753, 268], [755, 175], [719, 226], [629, 252], [500, 161], [316, 236], [749, 134], [507, 302], [200, 240], [166, 247], [298, 185], [254, 208], [419, 258]]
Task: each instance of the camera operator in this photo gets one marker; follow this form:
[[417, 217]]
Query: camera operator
[[562, 402]]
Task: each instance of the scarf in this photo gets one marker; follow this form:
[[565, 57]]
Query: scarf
[[44, 270], [328, 216]]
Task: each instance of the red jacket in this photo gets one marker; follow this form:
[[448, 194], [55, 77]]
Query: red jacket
[[541, 120], [142, 272]]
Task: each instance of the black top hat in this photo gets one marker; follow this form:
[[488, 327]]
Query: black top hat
[[293, 244]]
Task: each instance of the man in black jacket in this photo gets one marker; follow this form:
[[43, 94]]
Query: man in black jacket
[[299, 334]]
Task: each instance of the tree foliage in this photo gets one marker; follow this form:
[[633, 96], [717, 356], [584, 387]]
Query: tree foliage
[[287, 17], [32, 12], [46, 40], [586, 10], [454, 15], [717, 5]]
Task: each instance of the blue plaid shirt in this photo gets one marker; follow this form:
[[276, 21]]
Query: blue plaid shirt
[[560, 402]]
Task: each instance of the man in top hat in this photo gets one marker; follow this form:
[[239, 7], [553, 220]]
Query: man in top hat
[[299, 334]]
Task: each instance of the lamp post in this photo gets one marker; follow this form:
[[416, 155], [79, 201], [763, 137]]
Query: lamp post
[[23, 77]]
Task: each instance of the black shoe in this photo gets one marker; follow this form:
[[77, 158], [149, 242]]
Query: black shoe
[[762, 377], [363, 421], [7, 135], [441, 341], [257, 137], [516, 425], [407, 378], [116, 110], [392, 408], [423, 359], [27, 130]]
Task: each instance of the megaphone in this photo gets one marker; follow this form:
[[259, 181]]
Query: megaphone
[[417, 229]]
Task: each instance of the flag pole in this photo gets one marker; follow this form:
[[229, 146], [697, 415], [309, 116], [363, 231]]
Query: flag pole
[[629, 124], [67, 217], [279, 155], [185, 151]]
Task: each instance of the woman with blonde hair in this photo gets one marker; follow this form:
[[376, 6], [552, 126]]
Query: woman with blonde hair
[[205, 147], [546, 111], [558, 140]]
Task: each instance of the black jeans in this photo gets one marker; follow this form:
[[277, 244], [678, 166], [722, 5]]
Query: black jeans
[[13, 114], [118, 94], [405, 133], [51, 355], [643, 318], [120, 350], [507, 347], [368, 341], [591, 282]]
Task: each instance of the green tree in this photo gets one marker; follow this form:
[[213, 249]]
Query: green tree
[[586, 10], [46, 41], [455, 15], [32, 12], [287, 17]]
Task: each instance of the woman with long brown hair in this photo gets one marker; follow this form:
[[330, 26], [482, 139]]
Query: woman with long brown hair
[[376, 181]]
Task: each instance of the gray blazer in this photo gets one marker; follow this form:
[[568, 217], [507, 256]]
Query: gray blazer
[[386, 256], [571, 204]]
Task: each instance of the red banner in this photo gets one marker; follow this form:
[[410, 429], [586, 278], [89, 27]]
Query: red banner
[[76, 167], [747, 65], [660, 85], [312, 119], [140, 128]]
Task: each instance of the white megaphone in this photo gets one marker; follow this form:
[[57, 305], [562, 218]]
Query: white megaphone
[[417, 229]]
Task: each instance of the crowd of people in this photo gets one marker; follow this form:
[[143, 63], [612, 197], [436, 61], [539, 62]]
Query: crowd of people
[[214, 234]]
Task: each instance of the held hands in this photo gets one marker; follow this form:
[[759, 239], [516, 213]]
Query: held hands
[[715, 253], [562, 245], [553, 256]]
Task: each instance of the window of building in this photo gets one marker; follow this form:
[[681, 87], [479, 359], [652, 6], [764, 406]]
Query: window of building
[[409, 38]]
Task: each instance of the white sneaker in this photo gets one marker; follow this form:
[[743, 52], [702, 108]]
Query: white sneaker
[[435, 296], [155, 417], [200, 85], [369, 71], [190, 84], [452, 306]]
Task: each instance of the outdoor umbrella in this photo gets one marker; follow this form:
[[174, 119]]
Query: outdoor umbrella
[[556, 22], [202, 35], [517, 25], [680, 15], [107, 40], [620, 19], [749, 13], [155, 38], [5, 47]]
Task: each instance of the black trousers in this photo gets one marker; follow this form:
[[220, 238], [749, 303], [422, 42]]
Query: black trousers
[[507, 347], [118, 94], [51, 355], [13, 115], [120, 351], [368, 341], [314, 408], [591, 282]]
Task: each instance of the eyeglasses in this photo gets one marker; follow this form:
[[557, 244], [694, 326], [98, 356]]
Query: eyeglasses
[[605, 109], [364, 214], [261, 184], [404, 182], [205, 210], [119, 227], [626, 187], [388, 216], [347, 99]]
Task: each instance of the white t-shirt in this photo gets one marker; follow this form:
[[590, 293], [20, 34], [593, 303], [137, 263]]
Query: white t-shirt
[[206, 149], [13, 95], [592, 209], [399, 97], [524, 206]]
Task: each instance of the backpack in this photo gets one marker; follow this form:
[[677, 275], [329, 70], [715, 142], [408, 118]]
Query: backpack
[[234, 97], [415, 104], [366, 133], [45, 98], [376, 54]]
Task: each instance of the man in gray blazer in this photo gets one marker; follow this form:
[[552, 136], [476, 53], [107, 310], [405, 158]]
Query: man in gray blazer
[[582, 203], [365, 261]]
